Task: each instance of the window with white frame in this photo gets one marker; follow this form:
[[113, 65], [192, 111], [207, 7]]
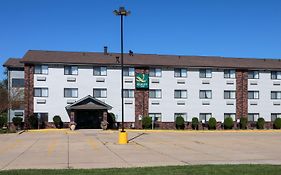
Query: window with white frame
[[100, 71], [229, 94], [129, 71], [253, 94], [41, 92], [276, 95], [253, 74], [180, 72], [183, 115], [100, 93], [41, 69], [205, 94], [252, 117], [128, 93], [180, 93], [274, 116], [155, 93], [229, 73], [71, 92], [276, 75], [204, 117], [156, 117], [17, 82], [231, 115], [205, 73], [155, 72], [70, 70]]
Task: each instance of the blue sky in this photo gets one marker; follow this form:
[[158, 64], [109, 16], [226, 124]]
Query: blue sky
[[231, 28]]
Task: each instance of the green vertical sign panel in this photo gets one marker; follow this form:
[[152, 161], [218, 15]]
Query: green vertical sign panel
[[142, 81]]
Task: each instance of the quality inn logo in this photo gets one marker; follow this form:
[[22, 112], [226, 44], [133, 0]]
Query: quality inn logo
[[142, 81]]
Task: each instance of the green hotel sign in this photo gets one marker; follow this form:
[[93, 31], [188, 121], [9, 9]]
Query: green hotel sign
[[142, 81]]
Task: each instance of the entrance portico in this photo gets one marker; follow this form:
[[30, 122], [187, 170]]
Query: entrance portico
[[88, 112]]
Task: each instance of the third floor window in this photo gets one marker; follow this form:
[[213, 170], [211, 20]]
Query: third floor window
[[129, 71], [41, 69], [276, 75], [180, 72], [253, 74], [229, 73], [100, 71], [70, 70], [155, 72], [205, 73]]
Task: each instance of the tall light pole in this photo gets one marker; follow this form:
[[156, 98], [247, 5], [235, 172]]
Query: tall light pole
[[123, 137]]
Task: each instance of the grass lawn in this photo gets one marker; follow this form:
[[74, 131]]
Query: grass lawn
[[169, 170]]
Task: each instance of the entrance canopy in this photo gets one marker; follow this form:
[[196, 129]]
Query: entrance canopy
[[88, 103]]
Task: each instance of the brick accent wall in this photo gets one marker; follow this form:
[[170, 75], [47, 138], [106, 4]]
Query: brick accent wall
[[141, 101], [241, 93], [28, 92]]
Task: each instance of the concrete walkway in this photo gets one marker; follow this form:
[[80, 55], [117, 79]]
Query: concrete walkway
[[99, 149]]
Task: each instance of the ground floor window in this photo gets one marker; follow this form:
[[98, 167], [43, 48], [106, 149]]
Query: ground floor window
[[253, 117], [183, 115], [204, 117], [231, 115], [155, 117], [42, 119], [274, 116]]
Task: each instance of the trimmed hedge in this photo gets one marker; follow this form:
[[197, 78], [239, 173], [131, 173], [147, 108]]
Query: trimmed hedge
[[33, 122], [212, 123], [228, 123], [260, 123], [3, 119], [111, 120], [57, 121], [277, 123], [243, 122], [146, 122], [195, 123], [17, 121], [179, 122]]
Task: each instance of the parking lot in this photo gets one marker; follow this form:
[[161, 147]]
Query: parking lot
[[99, 149]]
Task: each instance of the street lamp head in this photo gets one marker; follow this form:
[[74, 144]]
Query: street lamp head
[[122, 11]]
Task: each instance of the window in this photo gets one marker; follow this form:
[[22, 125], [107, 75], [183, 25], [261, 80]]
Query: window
[[183, 115], [205, 94], [231, 115], [229, 73], [100, 71], [253, 94], [155, 93], [204, 117], [276, 75], [276, 95], [129, 71], [180, 72], [274, 116], [180, 94], [18, 82], [43, 117], [71, 92], [155, 72], [229, 94], [253, 117], [100, 93], [41, 69], [205, 73], [128, 93], [41, 92], [156, 117], [70, 70], [254, 74]]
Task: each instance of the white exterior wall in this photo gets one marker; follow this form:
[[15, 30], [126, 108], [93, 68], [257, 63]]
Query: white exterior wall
[[193, 104], [264, 105], [56, 81]]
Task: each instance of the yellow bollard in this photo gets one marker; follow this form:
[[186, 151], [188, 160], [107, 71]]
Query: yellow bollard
[[123, 137]]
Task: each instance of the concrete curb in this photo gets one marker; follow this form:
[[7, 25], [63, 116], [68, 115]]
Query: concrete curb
[[202, 131]]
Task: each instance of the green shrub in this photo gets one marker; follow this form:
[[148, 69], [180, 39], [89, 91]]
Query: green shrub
[[277, 123], [243, 122], [33, 122], [57, 121], [111, 120], [146, 122], [228, 123], [17, 121], [212, 123], [195, 123], [3, 120], [260, 123], [180, 122]]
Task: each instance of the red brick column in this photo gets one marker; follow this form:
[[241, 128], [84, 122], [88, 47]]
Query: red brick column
[[141, 101], [241, 93], [28, 92]]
